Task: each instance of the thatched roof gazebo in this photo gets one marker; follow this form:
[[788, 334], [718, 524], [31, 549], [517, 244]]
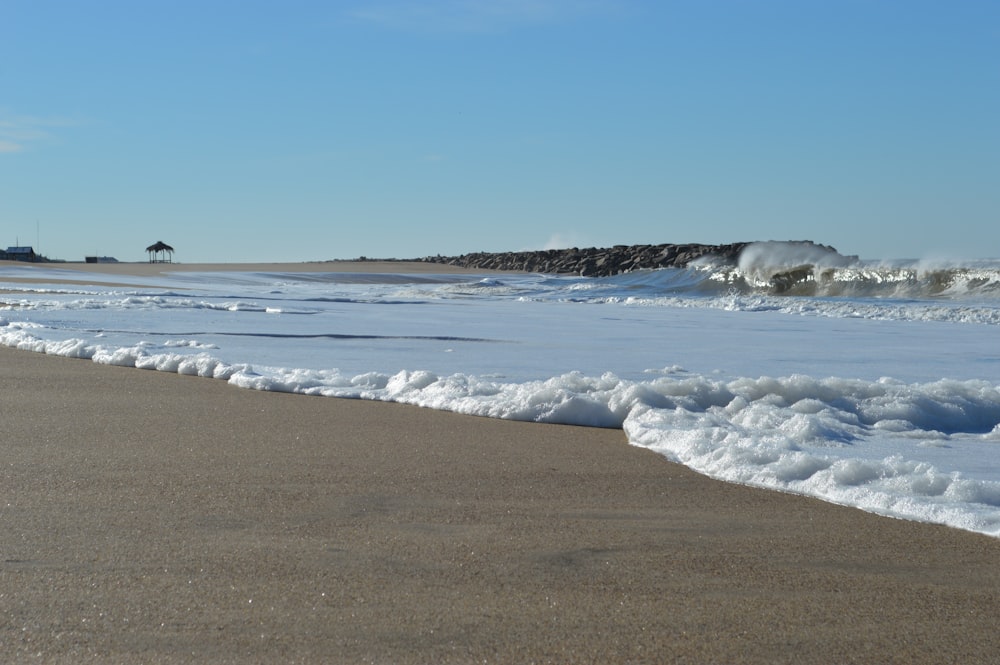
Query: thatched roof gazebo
[[160, 252]]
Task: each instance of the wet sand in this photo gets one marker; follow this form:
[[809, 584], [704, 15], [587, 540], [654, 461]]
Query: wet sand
[[155, 518]]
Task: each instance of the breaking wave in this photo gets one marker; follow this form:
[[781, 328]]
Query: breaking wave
[[791, 270]]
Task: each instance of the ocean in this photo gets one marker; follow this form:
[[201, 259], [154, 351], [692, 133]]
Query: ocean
[[868, 384]]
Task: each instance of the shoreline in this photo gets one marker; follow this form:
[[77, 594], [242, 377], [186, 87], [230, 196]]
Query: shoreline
[[158, 269], [154, 517], [142, 269]]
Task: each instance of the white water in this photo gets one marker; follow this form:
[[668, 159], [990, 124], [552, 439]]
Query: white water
[[889, 403]]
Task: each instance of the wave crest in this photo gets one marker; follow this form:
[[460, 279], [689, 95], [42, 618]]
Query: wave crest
[[798, 269]]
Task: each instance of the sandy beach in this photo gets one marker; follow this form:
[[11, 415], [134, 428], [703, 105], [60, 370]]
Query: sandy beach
[[150, 268], [144, 268], [156, 518]]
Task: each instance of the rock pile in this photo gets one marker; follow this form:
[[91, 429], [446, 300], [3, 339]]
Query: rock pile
[[593, 262]]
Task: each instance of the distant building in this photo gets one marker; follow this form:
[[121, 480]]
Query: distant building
[[100, 259], [20, 254]]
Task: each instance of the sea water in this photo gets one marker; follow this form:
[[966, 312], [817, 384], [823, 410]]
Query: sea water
[[869, 385]]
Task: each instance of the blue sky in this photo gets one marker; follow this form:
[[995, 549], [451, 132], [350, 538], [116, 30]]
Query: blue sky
[[305, 130]]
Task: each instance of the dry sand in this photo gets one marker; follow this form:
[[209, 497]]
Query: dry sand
[[149, 517]]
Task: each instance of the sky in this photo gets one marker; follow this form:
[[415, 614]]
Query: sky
[[307, 130]]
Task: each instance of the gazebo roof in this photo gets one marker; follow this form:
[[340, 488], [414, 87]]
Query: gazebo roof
[[160, 246]]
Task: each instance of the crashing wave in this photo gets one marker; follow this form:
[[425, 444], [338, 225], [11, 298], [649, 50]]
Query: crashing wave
[[792, 269]]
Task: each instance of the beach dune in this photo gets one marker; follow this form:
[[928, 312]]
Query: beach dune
[[150, 517]]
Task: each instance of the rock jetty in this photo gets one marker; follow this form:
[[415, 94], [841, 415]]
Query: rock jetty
[[595, 262], [592, 261]]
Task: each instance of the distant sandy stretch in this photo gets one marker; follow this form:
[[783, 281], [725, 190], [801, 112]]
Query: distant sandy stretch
[[156, 269], [143, 268]]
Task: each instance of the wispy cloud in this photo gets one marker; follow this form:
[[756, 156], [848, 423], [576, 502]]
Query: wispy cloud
[[18, 132], [476, 15]]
